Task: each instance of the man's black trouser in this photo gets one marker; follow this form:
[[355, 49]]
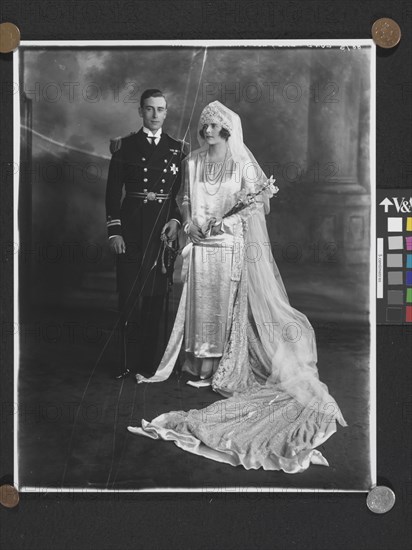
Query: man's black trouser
[[140, 335]]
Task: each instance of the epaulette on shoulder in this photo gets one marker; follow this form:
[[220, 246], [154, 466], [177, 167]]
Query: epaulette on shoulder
[[116, 143]]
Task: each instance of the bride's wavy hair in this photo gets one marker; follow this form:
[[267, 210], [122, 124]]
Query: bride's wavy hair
[[224, 133]]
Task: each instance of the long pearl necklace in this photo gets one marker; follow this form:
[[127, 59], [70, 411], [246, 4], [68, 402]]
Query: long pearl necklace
[[214, 179]]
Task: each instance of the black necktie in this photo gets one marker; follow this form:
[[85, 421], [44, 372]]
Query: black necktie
[[153, 144]]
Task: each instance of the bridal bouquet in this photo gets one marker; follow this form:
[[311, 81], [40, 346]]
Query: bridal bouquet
[[243, 200]]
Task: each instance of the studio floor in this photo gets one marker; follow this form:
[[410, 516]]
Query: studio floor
[[73, 415]]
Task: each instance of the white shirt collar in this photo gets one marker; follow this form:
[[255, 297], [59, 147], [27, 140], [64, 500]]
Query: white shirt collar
[[150, 133]]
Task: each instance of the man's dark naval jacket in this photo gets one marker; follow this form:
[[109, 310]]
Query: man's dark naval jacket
[[154, 172]]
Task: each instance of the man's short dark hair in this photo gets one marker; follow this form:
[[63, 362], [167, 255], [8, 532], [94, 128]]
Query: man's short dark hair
[[225, 134], [152, 92]]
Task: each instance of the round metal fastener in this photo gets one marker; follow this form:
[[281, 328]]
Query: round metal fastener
[[380, 499], [9, 496], [9, 37], [151, 196], [386, 32]]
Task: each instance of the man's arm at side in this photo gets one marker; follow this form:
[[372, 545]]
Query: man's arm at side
[[113, 197], [114, 190]]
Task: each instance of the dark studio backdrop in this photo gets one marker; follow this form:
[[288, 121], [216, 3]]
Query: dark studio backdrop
[[305, 116]]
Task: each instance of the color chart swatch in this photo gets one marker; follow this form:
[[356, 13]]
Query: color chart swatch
[[394, 256]]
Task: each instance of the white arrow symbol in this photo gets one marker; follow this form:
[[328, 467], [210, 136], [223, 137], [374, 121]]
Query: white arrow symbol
[[386, 203]]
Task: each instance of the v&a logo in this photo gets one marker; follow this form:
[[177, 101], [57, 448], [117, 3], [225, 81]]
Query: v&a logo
[[402, 205]]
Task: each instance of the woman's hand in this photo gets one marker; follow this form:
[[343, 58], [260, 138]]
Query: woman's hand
[[212, 227], [194, 233], [216, 229]]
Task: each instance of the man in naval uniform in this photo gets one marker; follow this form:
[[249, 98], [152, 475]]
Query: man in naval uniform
[[147, 164]]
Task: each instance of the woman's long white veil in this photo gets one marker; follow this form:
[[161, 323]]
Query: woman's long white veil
[[279, 348]]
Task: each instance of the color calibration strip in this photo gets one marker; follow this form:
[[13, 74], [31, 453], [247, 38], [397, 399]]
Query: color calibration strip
[[394, 256]]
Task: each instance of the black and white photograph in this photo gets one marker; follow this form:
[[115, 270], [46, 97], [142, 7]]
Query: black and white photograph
[[194, 266]]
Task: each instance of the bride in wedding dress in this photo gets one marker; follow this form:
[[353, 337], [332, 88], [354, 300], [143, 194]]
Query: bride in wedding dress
[[238, 329]]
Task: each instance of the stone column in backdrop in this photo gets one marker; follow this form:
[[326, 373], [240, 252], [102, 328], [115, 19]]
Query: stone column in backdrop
[[338, 157]]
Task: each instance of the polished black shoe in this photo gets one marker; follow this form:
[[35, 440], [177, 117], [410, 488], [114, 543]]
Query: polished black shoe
[[122, 375]]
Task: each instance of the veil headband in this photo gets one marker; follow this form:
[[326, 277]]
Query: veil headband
[[217, 112], [212, 113]]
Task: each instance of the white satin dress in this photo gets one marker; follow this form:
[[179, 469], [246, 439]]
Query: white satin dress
[[212, 274]]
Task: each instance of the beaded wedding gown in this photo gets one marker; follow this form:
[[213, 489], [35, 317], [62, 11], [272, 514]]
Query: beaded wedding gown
[[277, 411]]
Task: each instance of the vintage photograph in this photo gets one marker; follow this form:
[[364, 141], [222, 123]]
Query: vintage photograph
[[194, 232]]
